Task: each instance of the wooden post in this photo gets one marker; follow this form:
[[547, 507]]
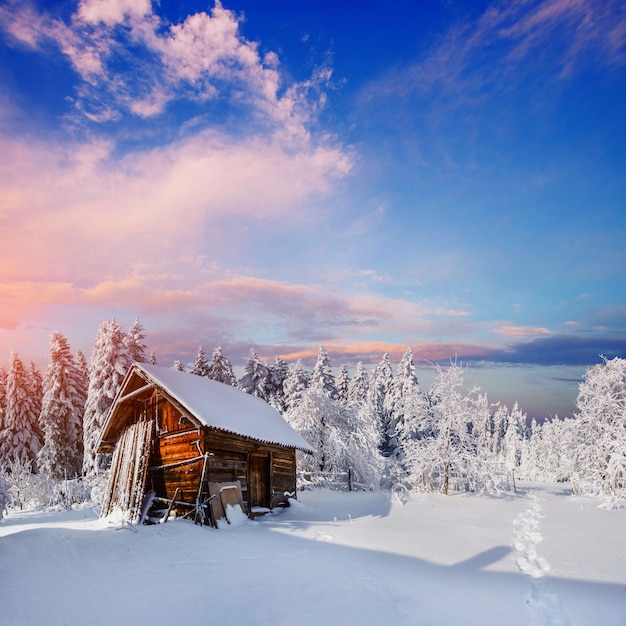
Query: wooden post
[[199, 519], [169, 508]]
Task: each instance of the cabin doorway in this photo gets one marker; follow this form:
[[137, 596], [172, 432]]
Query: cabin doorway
[[259, 481]]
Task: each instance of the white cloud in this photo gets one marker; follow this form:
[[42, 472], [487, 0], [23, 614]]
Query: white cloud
[[203, 57]]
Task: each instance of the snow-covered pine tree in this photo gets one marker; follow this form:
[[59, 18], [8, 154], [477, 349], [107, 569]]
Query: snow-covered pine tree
[[379, 386], [61, 455], [152, 360], [360, 431], [342, 383], [134, 342], [35, 386], [317, 418], [21, 437], [178, 366], [108, 366], [221, 369], [297, 382], [322, 376], [531, 463], [3, 395], [359, 385], [510, 449], [403, 384], [254, 376], [200, 367], [5, 497], [277, 373]]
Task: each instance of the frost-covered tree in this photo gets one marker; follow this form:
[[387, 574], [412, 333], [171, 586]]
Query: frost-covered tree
[[276, 375], [5, 497], [531, 466], [359, 385], [134, 342], [322, 376], [108, 366], [599, 464], [221, 369], [152, 360], [342, 383], [20, 438], [509, 449], [318, 419], [35, 386], [379, 386], [178, 366], [254, 377], [3, 400], [402, 385], [360, 432], [200, 367], [61, 455], [297, 382], [452, 450]]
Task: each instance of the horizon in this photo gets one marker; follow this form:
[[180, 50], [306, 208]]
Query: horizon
[[438, 176]]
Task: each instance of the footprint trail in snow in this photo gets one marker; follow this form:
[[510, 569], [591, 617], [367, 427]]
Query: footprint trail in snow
[[544, 605]]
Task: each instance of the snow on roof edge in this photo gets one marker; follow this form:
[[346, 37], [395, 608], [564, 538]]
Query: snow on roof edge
[[220, 406]]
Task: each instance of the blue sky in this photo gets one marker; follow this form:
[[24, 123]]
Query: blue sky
[[284, 175]]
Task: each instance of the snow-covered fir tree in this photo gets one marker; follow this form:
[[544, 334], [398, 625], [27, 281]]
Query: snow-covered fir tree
[[508, 450], [61, 455], [35, 386], [297, 382], [3, 397], [178, 366], [5, 497], [21, 437], [379, 386], [401, 386], [134, 342], [342, 383], [318, 418], [277, 373], [200, 367], [108, 366], [322, 376], [359, 385], [254, 377], [221, 369], [360, 431]]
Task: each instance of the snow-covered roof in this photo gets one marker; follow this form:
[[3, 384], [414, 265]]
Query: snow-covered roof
[[221, 406]]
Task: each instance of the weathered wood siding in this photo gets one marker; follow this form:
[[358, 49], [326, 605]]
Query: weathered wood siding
[[232, 460], [283, 475], [177, 463]]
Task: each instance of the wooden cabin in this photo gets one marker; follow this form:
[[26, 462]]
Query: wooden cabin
[[191, 445]]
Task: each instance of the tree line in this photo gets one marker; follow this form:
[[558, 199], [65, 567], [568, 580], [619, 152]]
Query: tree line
[[379, 424]]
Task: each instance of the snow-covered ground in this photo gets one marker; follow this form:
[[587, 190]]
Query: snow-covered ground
[[541, 557]]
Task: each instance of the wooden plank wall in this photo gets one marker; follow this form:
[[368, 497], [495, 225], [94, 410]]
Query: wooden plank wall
[[168, 469], [283, 475]]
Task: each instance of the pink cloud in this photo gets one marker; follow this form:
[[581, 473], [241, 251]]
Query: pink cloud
[[63, 202], [521, 331]]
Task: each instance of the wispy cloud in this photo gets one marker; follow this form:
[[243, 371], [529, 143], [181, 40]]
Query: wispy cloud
[[130, 60], [62, 202], [509, 330], [558, 35]]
